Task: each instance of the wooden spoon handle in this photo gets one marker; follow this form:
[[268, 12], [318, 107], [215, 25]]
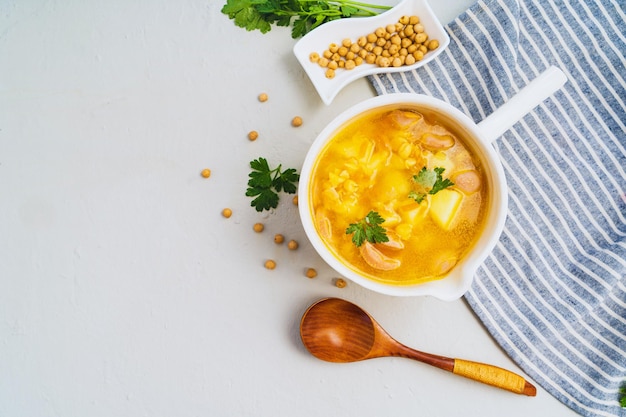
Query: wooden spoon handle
[[493, 375]]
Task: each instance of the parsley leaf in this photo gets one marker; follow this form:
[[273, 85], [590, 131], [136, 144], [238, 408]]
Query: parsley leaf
[[265, 183], [302, 15], [426, 178], [429, 182], [418, 197], [440, 183], [622, 400], [246, 14], [368, 228]]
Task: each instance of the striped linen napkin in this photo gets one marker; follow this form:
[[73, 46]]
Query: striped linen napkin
[[553, 292]]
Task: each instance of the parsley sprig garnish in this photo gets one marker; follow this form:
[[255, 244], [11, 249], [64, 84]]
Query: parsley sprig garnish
[[429, 182], [622, 400], [369, 228], [266, 183], [302, 15]]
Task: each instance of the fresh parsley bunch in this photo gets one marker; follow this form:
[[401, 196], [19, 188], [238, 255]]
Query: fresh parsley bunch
[[302, 15], [265, 183]]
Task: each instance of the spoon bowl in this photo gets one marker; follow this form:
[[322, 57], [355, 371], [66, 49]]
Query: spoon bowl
[[336, 330], [326, 336]]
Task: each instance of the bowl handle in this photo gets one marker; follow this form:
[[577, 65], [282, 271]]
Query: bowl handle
[[529, 97]]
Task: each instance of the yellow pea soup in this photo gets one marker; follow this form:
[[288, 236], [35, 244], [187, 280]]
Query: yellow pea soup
[[377, 162]]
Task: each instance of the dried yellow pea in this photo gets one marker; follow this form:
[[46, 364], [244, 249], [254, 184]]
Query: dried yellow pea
[[340, 283], [296, 121]]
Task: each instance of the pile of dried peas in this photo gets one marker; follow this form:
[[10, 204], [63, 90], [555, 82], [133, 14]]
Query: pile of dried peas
[[395, 45]]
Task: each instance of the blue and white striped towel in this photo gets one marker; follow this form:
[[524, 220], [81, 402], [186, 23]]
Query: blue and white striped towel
[[553, 293]]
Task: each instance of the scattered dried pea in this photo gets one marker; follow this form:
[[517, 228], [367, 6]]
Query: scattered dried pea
[[292, 245], [340, 283], [270, 264], [296, 121], [227, 212], [263, 97], [278, 238], [311, 273], [258, 227], [206, 173], [253, 135], [294, 200]]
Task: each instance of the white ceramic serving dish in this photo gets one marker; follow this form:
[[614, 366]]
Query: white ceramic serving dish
[[479, 137], [335, 31]]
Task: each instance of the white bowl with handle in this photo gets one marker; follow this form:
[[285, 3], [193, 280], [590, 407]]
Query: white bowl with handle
[[479, 137]]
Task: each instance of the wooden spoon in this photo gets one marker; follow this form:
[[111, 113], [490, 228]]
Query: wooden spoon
[[336, 330]]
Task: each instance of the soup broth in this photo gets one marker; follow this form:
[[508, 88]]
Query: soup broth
[[378, 162]]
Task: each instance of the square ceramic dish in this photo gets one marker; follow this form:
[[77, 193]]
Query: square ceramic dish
[[335, 31]]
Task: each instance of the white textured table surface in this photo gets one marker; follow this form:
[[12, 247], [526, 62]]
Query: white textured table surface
[[123, 292]]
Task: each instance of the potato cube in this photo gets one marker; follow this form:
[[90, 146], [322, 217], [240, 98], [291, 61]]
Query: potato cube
[[443, 207]]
